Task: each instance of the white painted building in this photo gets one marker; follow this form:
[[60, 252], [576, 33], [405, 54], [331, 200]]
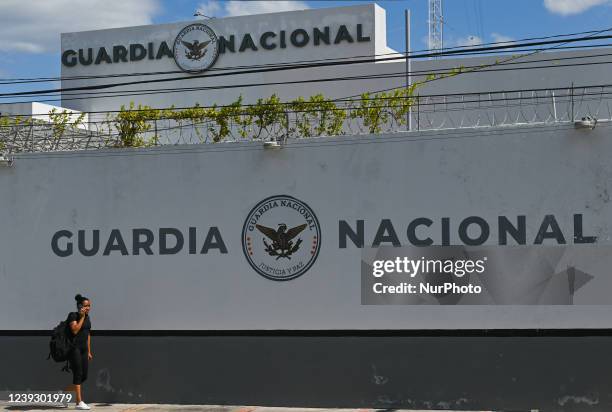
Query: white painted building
[[44, 113], [279, 38]]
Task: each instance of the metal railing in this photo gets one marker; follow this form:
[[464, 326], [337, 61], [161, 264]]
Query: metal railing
[[432, 112]]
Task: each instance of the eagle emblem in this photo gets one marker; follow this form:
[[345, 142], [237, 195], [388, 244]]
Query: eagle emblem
[[196, 50], [290, 248], [282, 245]]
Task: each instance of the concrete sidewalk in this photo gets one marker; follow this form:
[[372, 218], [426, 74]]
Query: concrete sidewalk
[[107, 407]]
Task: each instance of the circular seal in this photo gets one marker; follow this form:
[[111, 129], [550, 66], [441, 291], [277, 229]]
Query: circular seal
[[196, 48], [281, 238]]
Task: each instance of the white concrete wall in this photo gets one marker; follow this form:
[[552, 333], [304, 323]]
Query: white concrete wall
[[532, 171]]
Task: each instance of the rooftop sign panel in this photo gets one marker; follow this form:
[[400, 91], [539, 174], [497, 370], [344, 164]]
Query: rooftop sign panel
[[234, 41]]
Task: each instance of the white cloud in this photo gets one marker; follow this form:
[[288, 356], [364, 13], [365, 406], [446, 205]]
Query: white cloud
[[500, 38], [567, 7], [242, 8], [468, 41], [35, 28], [210, 8]]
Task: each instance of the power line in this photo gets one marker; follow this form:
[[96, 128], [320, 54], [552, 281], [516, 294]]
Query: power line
[[478, 6], [4, 81], [516, 50], [561, 43], [396, 75], [163, 91], [126, 93], [443, 71], [298, 66]]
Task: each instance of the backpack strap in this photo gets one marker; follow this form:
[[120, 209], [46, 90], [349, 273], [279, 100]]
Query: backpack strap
[[66, 367]]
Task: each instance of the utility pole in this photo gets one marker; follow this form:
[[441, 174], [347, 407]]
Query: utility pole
[[435, 41], [408, 68]]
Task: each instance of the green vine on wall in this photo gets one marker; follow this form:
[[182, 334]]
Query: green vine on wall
[[62, 121], [137, 126]]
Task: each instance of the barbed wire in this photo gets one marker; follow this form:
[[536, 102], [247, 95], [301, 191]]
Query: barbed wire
[[439, 112]]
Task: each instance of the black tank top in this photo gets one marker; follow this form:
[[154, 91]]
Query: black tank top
[[80, 339]]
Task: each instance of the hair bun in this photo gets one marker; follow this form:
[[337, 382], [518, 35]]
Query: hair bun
[[78, 297]]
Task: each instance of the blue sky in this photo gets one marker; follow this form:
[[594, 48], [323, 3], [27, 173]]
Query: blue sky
[[29, 36]]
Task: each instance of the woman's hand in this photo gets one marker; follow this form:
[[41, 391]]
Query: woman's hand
[[89, 356]]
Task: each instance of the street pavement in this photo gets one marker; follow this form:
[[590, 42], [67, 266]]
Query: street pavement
[[117, 407]]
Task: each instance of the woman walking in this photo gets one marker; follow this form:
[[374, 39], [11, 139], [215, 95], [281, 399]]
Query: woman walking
[[80, 356]]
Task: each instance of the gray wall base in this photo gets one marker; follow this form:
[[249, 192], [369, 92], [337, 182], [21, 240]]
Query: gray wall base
[[430, 372]]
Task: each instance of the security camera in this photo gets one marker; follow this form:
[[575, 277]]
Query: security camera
[[6, 160]]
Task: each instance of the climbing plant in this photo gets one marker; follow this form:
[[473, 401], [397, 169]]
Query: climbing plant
[[61, 121], [132, 123], [302, 117]]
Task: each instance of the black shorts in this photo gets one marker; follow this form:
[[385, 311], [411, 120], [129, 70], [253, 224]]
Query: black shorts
[[79, 364]]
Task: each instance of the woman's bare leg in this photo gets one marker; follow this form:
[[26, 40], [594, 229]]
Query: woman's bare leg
[[76, 389], [78, 393]]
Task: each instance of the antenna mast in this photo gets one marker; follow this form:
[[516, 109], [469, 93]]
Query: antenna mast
[[436, 28]]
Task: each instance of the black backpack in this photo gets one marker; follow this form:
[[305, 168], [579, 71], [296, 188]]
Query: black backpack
[[60, 344]]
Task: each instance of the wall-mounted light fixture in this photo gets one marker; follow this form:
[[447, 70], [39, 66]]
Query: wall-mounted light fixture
[[272, 145], [586, 122]]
